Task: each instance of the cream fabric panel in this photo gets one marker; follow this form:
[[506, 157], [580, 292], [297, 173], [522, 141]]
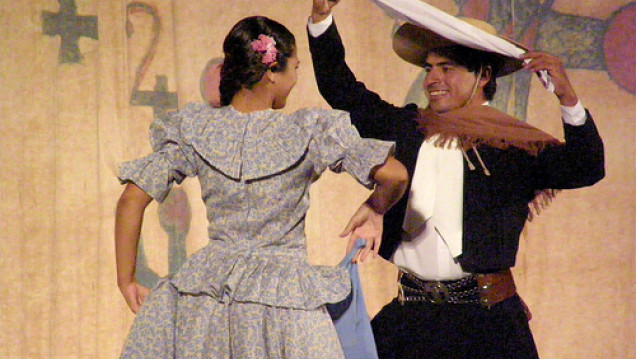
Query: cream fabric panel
[[116, 72], [576, 266], [50, 218], [65, 126], [577, 269], [28, 191]]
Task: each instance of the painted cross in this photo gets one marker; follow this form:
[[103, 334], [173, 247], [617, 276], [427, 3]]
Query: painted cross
[[160, 99], [70, 27]]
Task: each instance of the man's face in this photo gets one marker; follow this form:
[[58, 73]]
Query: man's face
[[447, 85]]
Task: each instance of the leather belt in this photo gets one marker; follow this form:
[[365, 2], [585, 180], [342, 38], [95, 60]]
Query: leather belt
[[486, 289], [495, 287]]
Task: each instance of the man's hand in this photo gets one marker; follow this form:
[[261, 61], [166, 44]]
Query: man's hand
[[321, 9], [554, 66], [365, 224]]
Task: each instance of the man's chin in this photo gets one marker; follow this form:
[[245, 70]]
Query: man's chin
[[439, 109]]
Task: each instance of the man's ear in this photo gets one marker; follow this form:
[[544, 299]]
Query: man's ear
[[486, 75]]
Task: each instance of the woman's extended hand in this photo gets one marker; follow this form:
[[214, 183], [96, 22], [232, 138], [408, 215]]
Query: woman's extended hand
[[366, 224]]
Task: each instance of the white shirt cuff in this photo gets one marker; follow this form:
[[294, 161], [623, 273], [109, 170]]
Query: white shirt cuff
[[574, 115], [319, 28]]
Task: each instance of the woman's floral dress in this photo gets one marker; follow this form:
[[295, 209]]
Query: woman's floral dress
[[250, 292]]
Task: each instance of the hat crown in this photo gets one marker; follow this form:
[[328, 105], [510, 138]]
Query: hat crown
[[412, 43], [480, 24]]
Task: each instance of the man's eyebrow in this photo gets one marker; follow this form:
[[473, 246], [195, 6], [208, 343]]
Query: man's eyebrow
[[442, 63]]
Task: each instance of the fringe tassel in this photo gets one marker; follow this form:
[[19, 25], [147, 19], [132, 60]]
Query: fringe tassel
[[483, 166], [470, 164], [541, 201]]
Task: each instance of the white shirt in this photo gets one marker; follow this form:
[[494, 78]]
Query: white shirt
[[434, 214]]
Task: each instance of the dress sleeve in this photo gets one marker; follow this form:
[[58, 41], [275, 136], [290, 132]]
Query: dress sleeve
[[171, 160], [337, 145]]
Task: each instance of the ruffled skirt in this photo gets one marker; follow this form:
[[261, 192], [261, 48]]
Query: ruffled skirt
[[233, 302]]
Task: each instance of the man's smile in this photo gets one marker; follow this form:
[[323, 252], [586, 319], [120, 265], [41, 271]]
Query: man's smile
[[437, 93]]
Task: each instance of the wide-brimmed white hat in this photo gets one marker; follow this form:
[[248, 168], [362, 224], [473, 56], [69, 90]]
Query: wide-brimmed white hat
[[427, 27]]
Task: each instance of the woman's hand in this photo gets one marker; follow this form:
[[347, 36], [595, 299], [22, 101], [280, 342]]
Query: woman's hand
[[134, 294], [366, 224], [391, 180]]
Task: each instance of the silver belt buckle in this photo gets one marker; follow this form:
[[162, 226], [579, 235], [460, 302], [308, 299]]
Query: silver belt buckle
[[437, 291]]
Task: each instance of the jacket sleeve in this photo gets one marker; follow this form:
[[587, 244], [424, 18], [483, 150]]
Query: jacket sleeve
[[578, 163], [372, 116]]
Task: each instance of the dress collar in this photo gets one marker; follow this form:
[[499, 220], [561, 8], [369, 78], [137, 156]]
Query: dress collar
[[247, 146]]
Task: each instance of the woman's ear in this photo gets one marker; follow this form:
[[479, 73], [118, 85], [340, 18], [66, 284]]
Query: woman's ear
[[270, 76]]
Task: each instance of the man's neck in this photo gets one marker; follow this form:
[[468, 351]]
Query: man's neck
[[472, 104]]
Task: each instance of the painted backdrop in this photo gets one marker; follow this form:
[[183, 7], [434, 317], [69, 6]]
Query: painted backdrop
[[81, 81]]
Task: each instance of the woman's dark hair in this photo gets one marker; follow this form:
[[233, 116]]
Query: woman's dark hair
[[473, 60], [243, 66]]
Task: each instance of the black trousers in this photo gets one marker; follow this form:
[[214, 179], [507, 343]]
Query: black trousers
[[419, 330]]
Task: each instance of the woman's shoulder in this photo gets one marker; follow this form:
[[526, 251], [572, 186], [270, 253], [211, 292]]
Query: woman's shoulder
[[198, 113], [199, 118], [316, 120], [189, 115]]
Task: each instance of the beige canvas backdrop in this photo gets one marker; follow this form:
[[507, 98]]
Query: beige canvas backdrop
[[64, 128]]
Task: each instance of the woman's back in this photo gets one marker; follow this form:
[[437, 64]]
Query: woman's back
[[255, 169]]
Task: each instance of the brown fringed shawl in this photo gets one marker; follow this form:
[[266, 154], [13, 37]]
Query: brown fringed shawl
[[484, 125]]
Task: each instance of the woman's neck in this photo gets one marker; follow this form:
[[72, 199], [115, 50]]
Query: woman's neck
[[251, 100]]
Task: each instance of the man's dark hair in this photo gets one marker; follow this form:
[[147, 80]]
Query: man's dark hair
[[473, 60]]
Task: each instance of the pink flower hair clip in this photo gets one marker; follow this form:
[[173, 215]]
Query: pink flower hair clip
[[267, 46]]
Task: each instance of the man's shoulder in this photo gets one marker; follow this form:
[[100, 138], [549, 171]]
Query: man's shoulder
[[409, 111]]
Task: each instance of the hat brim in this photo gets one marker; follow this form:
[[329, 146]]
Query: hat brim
[[412, 43]]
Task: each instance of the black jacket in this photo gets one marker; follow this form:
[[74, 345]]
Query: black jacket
[[495, 207]]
